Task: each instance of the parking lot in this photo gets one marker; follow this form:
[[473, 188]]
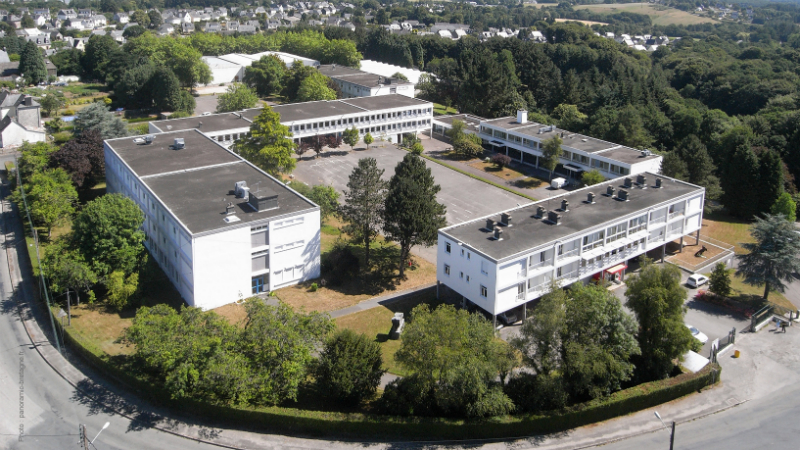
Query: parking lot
[[465, 198]]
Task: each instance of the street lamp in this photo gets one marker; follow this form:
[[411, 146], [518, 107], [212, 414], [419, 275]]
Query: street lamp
[[672, 434], [101, 430]]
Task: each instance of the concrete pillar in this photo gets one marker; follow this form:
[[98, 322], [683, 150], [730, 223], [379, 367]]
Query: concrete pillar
[[437, 289], [663, 252], [697, 241], [494, 321], [681, 251], [525, 311]]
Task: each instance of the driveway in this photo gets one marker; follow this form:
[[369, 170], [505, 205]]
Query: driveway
[[205, 104], [465, 198]]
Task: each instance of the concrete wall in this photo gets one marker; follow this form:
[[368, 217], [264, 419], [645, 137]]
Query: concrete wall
[[294, 249], [29, 117], [14, 135], [222, 268]]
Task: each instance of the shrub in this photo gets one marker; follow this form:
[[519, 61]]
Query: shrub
[[349, 368], [536, 393], [314, 287], [720, 280], [68, 112], [417, 148], [62, 137], [500, 160], [340, 264]]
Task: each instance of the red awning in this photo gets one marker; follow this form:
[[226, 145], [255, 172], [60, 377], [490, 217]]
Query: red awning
[[616, 269]]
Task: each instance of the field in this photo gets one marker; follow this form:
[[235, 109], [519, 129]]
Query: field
[[727, 229], [660, 15]]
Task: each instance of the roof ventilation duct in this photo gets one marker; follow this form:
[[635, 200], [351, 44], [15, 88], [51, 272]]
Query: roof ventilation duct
[[564, 205], [623, 195], [610, 191], [178, 143], [505, 219], [554, 218], [489, 225], [658, 183], [540, 212], [590, 198], [498, 234]]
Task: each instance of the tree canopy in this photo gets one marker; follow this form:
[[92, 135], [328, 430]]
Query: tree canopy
[[774, 258], [269, 145], [364, 203], [236, 98], [97, 117]]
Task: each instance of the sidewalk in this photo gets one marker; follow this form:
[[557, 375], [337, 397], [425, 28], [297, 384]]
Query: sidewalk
[[381, 300]]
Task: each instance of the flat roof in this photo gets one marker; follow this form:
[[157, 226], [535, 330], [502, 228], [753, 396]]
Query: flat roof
[[627, 155], [210, 123], [312, 110], [528, 232], [581, 142], [198, 198], [159, 157], [359, 77], [472, 122], [390, 101], [338, 70]]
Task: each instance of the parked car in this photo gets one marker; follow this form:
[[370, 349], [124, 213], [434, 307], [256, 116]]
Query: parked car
[[699, 335], [507, 318], [696, 280]]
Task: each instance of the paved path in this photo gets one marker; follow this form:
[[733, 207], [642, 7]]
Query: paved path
[[381, 300]]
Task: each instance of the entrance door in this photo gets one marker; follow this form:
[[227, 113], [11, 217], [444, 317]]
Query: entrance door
[[258, 284]]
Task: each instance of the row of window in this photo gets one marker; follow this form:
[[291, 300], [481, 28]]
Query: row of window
[[231, 137], [360, 119]]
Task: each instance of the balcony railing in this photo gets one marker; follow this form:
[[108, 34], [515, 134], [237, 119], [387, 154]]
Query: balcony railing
[[541, 286], [573, 252], [520, 296], [672, 215], [568, 275], [658, 219]]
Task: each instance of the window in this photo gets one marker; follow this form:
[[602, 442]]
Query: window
[[461, 275], [467, 278], [638, 223], [447, 247], [567, 155], [593, 240], [484, 291], [447, 269], [258, 284], [462, 252], [484, 268], [560, 249], [468, 255]]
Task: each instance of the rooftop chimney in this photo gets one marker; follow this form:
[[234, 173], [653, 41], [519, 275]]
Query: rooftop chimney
[[498, 234], [658, 182], [522, 116], [28, 100], [628, 182], [610, 191], [590, 198], [564, 205], [230, 209], [489, 225], [505, 219], [554, 218], [179, 143], [623, 195], [540, 212], [641, 180]]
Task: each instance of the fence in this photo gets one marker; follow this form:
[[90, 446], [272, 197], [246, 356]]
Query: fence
[[43, 291], [768, 311]]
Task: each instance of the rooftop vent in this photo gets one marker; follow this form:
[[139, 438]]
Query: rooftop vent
[[641, 180], [658, 183], [169, 127], [645, 153], [148, 139], [263, 200], [230, 209], [241, 190], [554, 218], [498, 234], [178, 144], [623, 195], [522, 116], [546, 129], [505, 219], [564, 205], [489, 225], [628, 182], [590, 198], [610, 191], [540, 212]]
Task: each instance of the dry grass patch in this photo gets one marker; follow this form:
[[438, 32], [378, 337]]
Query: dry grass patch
[[585, 22], [235, 313], [505, 173], [727, 229], [661, 15], [102, 327]]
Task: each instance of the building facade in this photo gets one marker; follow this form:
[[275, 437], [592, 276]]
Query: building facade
[[20, 120], [220, 228], [357, 83], [506, 260]]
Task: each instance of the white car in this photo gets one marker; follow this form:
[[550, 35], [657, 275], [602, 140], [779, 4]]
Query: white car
[[696, 280], [699, 335]]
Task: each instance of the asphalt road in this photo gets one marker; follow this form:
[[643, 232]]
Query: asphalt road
[[40, 410]]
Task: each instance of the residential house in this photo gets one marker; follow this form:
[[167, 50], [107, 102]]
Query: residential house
[[21, 120], [122, 17], [66, 14]]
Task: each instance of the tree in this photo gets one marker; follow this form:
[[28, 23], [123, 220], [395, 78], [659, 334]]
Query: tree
[[368, 139], [720, 280], [417, 148], [31, 64], [51, 103], [656, 297], [155, 18], [68, 61], [108, 232], [454, 360], [456, 131], [592, 177], [35, 158], [327, 198], [349, 367], [785, 206], [65, 268], [266, 75], [141, 17], [364, 203], [294, 78], [134, 31], [551, 152], [27, 21], [269, 145], [774, 257], [163, 91], [187, 64], [97, 117], [500, 160], [412, 216], [121, 289], [236, 98], [539, 340], [350, 136], [98, 54], [314, 88], [83, 158], [51, 197], [468, 147], [569, 117]]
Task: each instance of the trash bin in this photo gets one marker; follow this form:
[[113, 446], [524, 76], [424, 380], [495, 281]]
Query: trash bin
[[736, 353]]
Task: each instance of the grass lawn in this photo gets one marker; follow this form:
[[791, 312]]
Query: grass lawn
[[380, 280], [530, 183], [440, 110], [505, 173], [745, 293], [661, 15], [727, 229], [377, 322]]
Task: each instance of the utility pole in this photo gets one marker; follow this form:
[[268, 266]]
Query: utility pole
[[672, 436], [84, 440], [69, 314]]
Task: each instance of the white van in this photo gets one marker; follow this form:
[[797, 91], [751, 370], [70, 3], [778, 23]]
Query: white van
[[559, 183]]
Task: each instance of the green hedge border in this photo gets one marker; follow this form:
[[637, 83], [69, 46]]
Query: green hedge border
[[290, 421]]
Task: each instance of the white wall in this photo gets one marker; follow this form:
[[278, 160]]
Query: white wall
[[469, 264], [15, 135], [222, 268], [294, 249]]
